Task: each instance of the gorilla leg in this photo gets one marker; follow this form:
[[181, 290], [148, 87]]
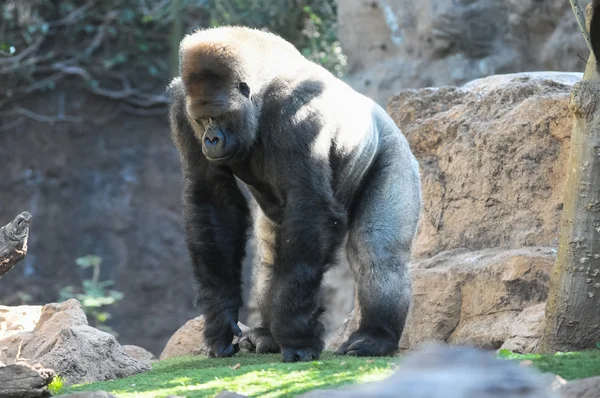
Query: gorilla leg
[[259, 339], [379, 247]]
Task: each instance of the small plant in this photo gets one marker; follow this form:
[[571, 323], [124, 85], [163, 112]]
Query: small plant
[[55, 385], [94, 294]]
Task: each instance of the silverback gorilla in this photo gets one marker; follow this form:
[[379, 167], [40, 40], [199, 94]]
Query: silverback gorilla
[[330, 172]]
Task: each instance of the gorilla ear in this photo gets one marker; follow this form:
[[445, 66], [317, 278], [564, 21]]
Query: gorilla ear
[[245, 89]]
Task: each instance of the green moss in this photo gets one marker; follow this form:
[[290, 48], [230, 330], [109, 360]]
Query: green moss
[[267, 376]]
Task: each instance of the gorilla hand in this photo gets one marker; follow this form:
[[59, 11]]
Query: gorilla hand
[[219, 329]]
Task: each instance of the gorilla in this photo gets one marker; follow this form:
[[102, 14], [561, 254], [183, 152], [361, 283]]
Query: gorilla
[[330, 173]]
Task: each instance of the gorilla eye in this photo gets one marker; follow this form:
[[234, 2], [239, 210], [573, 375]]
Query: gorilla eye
[[245, 89]]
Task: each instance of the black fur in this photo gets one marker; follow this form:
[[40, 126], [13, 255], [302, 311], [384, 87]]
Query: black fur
[[323, 163]]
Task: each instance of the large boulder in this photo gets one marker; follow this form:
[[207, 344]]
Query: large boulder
[[490, 298], [478, 297], [493, 156], [63, 341], [432, 43]]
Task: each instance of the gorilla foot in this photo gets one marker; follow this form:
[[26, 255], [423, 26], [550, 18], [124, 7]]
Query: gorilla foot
[[290, 354], [259, 340], [365, 345]]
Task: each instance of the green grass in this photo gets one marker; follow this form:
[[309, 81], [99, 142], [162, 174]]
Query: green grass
[[266, 376], [568, 365], [258, 376]]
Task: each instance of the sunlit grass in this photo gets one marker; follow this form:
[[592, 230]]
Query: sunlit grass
[[266, 376], [256, 376]]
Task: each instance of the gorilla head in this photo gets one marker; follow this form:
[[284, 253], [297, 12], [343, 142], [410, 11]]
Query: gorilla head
[[218, 99]]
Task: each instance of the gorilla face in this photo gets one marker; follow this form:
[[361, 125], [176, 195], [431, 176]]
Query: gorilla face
[[224, 121]]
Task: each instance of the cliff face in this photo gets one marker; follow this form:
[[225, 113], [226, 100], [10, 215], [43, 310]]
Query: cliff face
[[431, 43]]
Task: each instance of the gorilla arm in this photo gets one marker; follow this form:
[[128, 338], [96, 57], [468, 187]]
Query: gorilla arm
[[216, 221], [313, 225]]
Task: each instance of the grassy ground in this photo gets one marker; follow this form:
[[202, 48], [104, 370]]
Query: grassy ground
[[265, 376]]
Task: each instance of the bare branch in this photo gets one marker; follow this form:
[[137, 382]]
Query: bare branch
[[11, 125], [43, 83], [41, 118], [580, 16], [143, 112], [73, 16]]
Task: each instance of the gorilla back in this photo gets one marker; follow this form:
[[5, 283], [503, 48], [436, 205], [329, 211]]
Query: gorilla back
[[330, 172]]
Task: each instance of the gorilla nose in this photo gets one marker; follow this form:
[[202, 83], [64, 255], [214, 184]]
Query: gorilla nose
[[214, 143]]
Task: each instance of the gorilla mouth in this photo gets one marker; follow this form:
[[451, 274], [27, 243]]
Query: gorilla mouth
[[220, 158]]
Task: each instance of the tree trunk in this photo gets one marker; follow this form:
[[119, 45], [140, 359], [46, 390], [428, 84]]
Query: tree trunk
[[24, 381], [13, 242], [573, 306]]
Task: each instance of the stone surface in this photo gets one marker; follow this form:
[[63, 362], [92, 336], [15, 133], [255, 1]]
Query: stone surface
[[22, 380], [492, 157], [583, 388], [432, 43], [18, 319], [485, 298], [444, 372], [63, 341], [139, 353], [527, 330], [189, 340], [229, 394]]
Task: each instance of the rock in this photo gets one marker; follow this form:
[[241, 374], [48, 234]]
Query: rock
[[18, 319], [21, 380], [450, 372], [229, 394], [476, 298], [433, 43], [89, 394], [583, 388], [139, 353], [492, 157], [527, 330], [62, 340], [557, 382], [189, 340]]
